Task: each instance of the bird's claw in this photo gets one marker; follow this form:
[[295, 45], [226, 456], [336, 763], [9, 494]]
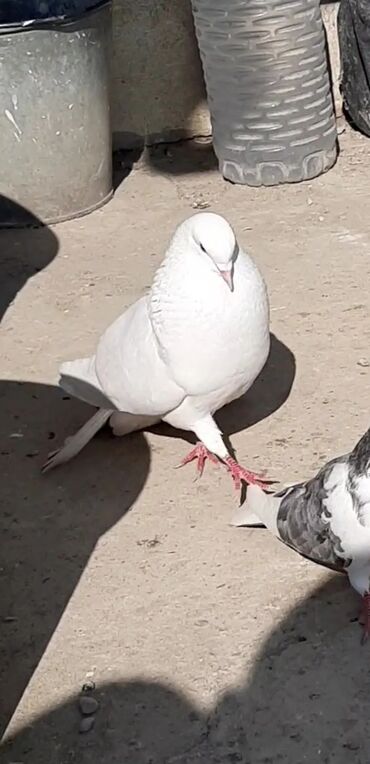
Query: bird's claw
[[201, 454], [239, 474]]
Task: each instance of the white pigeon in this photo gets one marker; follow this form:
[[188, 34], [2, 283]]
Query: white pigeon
[[326, 519], [197, 341]]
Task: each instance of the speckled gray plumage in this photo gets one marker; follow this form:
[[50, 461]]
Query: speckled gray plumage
[[359, 458], [302, 520]]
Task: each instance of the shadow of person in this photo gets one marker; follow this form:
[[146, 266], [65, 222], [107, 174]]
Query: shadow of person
[[23, 251], [305, 699], [268, 393], [50, 524], [138, 722]]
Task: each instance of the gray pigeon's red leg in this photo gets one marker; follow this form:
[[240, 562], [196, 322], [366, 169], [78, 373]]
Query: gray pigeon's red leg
[[239, 473], [201, 454], [365, 617]]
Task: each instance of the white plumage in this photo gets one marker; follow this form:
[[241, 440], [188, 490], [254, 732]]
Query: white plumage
[[197, 341], [326, 519]]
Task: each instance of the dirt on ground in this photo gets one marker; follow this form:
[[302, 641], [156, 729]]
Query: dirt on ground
[[201, 642]]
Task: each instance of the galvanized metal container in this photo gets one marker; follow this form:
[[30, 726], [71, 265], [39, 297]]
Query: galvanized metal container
[[55, 131]]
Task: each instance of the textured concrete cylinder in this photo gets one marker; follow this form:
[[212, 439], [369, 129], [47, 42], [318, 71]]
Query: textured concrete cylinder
[[55, 132], [268, 88]]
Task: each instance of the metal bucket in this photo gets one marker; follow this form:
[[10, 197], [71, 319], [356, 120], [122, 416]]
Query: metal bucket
[[55, 131]]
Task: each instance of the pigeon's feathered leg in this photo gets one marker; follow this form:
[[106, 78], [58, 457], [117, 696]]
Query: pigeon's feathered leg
[[238, 473], [211, 437], [210, 444]]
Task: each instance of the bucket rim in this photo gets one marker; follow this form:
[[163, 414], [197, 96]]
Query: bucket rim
[[23, 26]]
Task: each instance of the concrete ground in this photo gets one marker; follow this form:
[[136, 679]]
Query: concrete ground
[[206, 643]]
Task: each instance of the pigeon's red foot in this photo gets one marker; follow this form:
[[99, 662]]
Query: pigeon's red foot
[[365, 617], [201, 454], [239, 473]]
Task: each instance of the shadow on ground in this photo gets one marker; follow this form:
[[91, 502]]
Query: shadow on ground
[[49, 524], [23, 252], [178, 158], [305, 699]]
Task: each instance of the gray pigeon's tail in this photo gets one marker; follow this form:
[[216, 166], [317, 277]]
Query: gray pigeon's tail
[[73, 445], [260, 509]]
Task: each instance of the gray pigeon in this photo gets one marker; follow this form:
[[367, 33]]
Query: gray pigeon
[[326, 519]]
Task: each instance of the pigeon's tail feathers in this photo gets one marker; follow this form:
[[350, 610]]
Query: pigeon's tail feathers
[[259, 509], [243, 516], [73, 445], [78, 378]]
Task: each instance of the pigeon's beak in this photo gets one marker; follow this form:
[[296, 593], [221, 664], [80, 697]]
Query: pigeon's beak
[[228, 277]]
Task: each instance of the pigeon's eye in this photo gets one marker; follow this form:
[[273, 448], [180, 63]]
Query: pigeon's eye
[[203, 248]]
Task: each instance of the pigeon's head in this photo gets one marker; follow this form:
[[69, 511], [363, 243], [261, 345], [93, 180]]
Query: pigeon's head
[[214, 239]]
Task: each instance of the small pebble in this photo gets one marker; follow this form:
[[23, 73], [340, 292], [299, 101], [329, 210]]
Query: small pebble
[[86, 724], [363, 362], [88, 686], [200, 204], [88, 705]]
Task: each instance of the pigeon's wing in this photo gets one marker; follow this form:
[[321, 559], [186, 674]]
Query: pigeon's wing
[[307, 519], [129, 369], [126, 373]]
